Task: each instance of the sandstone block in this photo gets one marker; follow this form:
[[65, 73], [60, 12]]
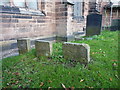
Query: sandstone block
[[23, 45], [43, 48]]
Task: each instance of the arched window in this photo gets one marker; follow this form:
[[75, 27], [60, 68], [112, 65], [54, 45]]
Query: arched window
[[24, 6], [32, 4], [19, 3], [5, 2], [78, 10]]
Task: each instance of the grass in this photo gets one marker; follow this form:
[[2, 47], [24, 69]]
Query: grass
[[27, 71]]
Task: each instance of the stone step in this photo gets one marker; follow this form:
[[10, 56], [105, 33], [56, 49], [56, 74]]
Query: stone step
[[9, 53], [79, 33]]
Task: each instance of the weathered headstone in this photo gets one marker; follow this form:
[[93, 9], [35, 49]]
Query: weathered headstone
[[93, 26], [43, 48], [23, 45], [76, 51]]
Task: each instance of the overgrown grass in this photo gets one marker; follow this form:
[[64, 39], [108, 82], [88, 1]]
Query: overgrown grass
[[27, 71]]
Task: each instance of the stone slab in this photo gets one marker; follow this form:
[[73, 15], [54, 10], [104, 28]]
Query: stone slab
[[76, 51]]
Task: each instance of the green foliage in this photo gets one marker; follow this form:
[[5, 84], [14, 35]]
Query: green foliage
[[27, 71]]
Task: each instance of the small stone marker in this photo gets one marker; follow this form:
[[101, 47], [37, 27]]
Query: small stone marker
[[94, 24], [76, 51], [43, 48], [23, 45]]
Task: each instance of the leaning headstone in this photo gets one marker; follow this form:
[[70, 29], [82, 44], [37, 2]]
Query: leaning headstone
[[94, 24], [76, 51], [43, 48], [23, 45]]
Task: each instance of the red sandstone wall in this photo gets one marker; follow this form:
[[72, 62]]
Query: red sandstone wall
[[14, 26], [58, 21], [72, 24], [65, 24], [61, 19]]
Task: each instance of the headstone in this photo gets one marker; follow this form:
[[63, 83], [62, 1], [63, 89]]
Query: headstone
[[93, 26], [23, 45], [76, 51], [115, 25], [43, 48]]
